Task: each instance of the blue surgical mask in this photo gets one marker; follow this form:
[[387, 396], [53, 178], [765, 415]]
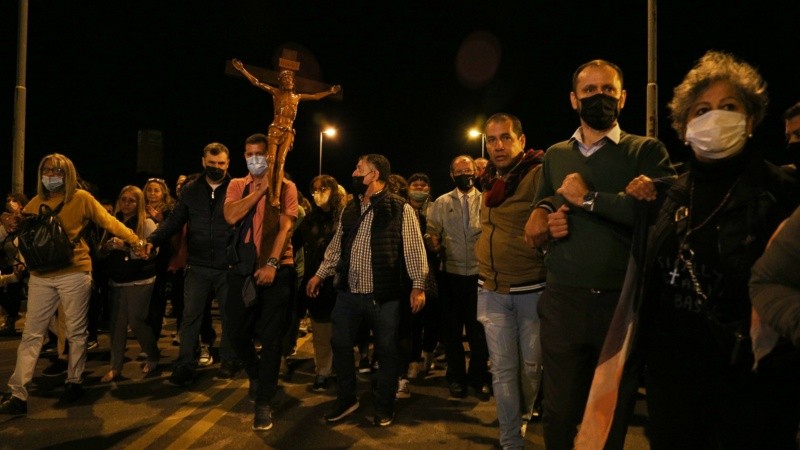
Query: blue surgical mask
[[257, 164], [52, 183]]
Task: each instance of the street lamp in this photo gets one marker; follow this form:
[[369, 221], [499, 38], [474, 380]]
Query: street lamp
[[330, 131], [474, 133]]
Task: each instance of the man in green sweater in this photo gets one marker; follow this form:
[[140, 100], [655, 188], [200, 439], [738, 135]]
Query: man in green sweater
[[584, 220]]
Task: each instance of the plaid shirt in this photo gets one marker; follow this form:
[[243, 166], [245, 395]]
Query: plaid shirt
[[360, 276]]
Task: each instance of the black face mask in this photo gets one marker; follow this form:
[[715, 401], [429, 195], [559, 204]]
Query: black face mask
[[794, 153], [599, 111], [464, 182], [358, 187], [214, 173]]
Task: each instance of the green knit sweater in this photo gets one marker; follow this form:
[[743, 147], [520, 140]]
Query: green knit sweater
[[595, 253]]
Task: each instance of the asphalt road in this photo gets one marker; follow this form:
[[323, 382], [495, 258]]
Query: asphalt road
[[149, 413]]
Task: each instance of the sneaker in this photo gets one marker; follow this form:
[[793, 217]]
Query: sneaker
[[72, 392], [13, 406], [181, 376], [457, 390], [205, 356], [364, 366], [483, 392], [56, 368], [340, 411], [91, 345], [383, 421], [402, 390], [320, 384], [262, 421]]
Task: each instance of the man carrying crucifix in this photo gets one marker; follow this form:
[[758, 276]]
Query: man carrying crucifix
[[280, 135]]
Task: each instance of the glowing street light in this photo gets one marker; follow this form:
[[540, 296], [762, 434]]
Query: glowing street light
[[473, 134], [330, 131]]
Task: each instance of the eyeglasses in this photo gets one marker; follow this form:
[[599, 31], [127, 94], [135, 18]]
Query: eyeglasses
[[53, 170]]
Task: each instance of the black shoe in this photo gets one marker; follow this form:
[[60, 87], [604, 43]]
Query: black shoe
[[13, 406], [364, 366], [457, 390], [72, 392], [340, 411], [262, 421], [483, 392], [383, 421], [252, 389], [181, 376], [56, 368], [8, 330], [228, 370], [320, 384]]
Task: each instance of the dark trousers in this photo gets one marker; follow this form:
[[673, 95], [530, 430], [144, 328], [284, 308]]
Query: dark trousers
[[460, 312], [574, 324], [697, 400], [265, 320], [347, 316]]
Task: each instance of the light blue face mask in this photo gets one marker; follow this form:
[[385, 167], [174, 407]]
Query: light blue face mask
[[257, 164], [52, 183]]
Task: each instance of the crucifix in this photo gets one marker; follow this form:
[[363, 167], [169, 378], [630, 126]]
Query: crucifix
[[285, 100], [674, 274]]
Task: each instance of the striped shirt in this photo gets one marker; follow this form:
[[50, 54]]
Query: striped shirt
[[360, 275]]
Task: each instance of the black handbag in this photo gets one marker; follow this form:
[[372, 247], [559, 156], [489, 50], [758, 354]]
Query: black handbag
[[43, 242]]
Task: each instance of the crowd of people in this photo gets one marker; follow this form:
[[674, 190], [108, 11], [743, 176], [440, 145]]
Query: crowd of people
[[533, 256]]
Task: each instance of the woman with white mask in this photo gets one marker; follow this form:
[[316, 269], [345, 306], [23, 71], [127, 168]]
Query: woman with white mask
[[705, 230]]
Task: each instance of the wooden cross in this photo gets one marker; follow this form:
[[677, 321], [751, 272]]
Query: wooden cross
[[287, 61]]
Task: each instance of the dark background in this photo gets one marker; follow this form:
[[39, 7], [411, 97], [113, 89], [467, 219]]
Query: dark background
[[100, 71]]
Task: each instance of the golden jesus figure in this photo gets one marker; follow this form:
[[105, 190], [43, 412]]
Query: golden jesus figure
[[280, 135]]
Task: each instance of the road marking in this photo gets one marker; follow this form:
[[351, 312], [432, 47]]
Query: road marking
[[168, 423], [206, 422]]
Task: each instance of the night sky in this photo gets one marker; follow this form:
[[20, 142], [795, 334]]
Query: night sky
[[414, 79]]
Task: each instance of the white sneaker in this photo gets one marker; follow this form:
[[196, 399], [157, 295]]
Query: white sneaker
[[402, 389], [205, 356]]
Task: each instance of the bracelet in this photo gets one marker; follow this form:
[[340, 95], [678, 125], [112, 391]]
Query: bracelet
[[273, 262]]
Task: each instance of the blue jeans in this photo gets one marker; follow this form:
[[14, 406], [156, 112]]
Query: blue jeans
[[383, 318], [512, 335], [199, 280]]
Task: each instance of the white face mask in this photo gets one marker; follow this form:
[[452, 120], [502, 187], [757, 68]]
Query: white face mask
[[717, 134], [256, 164]]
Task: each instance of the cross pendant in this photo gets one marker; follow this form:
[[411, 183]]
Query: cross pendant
[[674, 274]]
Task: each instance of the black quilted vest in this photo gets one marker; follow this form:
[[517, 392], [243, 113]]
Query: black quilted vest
[[390, 279]]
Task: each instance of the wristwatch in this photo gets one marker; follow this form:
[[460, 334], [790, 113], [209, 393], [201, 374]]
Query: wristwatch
[[588, 200], [272, 262]]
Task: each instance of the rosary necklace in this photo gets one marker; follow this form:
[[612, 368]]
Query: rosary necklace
[[685, 252]]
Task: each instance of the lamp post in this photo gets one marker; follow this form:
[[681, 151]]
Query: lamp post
[[474, 133], [330, 131]]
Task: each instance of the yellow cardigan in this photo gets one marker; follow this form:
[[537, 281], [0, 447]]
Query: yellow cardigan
[[75, 216]]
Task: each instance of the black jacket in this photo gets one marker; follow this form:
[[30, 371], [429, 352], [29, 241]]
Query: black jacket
[[207, 233]]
